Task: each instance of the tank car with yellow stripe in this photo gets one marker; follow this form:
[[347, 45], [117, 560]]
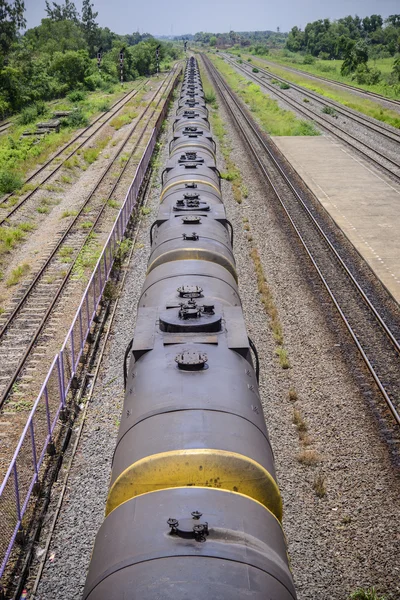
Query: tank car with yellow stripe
[[194, 510]]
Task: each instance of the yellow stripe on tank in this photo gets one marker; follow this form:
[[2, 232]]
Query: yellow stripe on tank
[[180, 182], [221, 469]]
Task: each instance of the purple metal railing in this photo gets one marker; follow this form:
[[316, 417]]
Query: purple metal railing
[[39, 433]]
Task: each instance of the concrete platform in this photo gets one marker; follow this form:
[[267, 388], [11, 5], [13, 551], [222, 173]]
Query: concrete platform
[[364, 204]]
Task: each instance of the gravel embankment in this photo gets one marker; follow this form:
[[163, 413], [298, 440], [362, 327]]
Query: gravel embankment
[[348, 538]]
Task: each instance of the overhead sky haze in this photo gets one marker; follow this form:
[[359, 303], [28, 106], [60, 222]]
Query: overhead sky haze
[[174, 17]]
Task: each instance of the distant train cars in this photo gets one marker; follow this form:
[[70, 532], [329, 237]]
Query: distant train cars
[[193, 511]]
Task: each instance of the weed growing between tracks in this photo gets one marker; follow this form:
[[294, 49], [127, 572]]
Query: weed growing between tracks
[[273, 119]]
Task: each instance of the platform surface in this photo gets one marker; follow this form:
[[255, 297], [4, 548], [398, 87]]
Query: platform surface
[[364, 203]]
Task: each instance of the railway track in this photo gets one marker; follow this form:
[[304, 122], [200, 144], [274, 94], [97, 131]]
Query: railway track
[[4, 126], [30, 327], [385, 160], [375, 338], [348, 86], [81, 139]]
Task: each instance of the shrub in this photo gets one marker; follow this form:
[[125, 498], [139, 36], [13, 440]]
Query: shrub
[[28, 115], [255, 70], [76, 96], [308, 59], [323, 56], [328, 110], [284, 86], [9, 182], [210, 97], [249, 60], [76, 119]]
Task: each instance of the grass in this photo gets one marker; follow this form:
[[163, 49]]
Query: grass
[[363, 105], [69, 213], [319, 486], [87, 259], [86, 225], [123, 119], [17, 274], [43, 210], [272, 118], [308, 457], [366, 594], [72, 162], [19, 155], [292, 395], [113, 204], [65, 254], [10, 236], [299, 421], [283, 357], [90, 155], [328, 110], [66, 179]]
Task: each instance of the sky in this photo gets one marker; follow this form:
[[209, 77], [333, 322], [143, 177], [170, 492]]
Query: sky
[[166, 17]]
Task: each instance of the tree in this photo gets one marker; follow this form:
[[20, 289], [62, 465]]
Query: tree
[[356, 54], [62, 12], [71, 67], [213, 41], [11, 20], [89, 25], [396, 68], [393, 20]]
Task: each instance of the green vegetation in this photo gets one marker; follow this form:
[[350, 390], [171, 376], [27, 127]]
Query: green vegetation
[[10, 236], [90, 155], [367, 107], [17, 274], [59, 56], [366, 594], [69, 213], [272, 118], [87, 259]]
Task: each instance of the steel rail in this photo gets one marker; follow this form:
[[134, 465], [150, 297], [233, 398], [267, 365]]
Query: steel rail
[[326, 124], [339, 83], [39, 275], [225, 91], [122, 102], [364, 120]]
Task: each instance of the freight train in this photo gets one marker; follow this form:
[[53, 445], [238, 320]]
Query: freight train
[[193, 511]]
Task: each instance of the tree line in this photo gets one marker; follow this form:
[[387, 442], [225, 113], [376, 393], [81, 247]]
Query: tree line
[[352, 39], [60, 54]]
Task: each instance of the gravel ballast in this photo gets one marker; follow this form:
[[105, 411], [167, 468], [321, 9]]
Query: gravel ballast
[[347, 539]]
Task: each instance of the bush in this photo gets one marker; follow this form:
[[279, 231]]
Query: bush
[[323, 56], [9, 182], [239, 60], [76, 96], [308, 59], [365, 75], [328, 110], [76, 119], [93, 82], [28, 115], [284, 86], [249, 60], [255, 70]]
